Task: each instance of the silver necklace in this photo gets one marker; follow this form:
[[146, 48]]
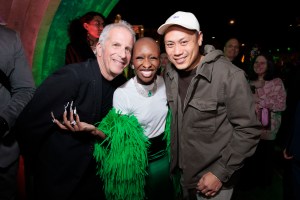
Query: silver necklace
[[143, 91]]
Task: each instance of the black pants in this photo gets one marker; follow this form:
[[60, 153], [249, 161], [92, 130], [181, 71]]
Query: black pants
[[8, 181]]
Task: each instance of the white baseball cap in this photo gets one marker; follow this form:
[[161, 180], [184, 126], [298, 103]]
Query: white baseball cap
[[184, 19]]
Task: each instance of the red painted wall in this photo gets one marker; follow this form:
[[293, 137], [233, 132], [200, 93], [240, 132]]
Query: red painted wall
[[25, 16]]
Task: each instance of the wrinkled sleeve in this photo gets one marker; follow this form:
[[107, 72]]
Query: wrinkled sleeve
[[121, 102], [246, 128], [21, 82], [274, 96], [35, 121]]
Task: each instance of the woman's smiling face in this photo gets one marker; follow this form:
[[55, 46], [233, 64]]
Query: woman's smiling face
[[145, 59]]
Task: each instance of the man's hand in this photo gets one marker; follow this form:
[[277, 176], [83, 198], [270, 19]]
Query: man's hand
[[209, 184], [286, 155]]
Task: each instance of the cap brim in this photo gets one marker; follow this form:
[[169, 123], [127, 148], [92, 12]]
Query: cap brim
[[161, 30]]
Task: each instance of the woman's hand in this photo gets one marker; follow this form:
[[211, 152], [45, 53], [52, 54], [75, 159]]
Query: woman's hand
[[75, 125]]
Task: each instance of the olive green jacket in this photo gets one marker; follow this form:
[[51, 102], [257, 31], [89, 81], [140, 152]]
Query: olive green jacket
[[216, 128]]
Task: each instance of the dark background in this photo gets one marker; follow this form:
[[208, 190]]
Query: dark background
[[273, 26]]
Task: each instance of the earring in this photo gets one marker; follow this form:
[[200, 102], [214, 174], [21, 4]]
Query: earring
[[132, 66]]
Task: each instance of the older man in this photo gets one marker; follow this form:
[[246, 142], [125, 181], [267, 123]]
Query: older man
[[60, 162]]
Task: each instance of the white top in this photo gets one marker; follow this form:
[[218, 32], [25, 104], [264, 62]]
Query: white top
[[151, 112]]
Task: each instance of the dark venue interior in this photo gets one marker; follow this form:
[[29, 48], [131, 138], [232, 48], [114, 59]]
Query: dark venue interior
[[274, 26], [271, 25]]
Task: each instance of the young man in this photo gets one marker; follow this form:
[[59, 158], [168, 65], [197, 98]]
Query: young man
[[214, 126], [60, 162]]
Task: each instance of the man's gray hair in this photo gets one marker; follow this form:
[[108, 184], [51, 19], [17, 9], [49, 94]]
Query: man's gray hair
[[123, 24]]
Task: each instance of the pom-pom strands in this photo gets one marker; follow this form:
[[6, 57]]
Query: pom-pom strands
[[122, 157]]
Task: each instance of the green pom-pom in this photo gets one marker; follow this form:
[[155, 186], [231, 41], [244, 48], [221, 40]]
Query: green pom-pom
[[122, 156]]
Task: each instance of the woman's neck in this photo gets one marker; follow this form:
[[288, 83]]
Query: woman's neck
[[92, 41], [260, 78]]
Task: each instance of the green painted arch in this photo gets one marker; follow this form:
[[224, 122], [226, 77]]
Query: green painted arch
[[52, 38]]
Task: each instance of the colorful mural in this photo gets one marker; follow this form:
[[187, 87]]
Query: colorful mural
[[43, 28]]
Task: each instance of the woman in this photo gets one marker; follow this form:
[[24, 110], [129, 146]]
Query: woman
[[270, 99], [84, 34], [144, 98]]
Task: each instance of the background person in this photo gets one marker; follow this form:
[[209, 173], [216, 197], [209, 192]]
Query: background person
[[290, 133], [212, 133], [291, 152], [164, 62], [16, 89], [84, 34], [232, 51], [270, 95]]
